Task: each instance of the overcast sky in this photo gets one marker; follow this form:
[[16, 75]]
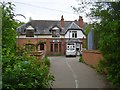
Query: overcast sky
[[46, 9]]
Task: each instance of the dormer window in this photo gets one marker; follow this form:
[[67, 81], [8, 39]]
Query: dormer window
[[30, 31], [55, 32]]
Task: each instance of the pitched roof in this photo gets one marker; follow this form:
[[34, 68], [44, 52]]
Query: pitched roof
[[44, 26], [73, 25]]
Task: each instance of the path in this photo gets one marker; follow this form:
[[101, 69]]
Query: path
[[69, 73]]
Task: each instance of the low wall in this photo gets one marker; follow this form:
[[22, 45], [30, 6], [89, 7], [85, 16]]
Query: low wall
[[38, 54], [92, 57]]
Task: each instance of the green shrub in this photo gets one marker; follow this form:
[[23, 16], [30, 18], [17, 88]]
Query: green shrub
[[18, 69], [27, 73], [81, 59], [101, 67], [47, 61], [108, 32], [114, 75]]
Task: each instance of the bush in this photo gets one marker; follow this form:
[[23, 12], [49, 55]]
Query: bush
[[109, 40], [81, 59], [19, 69], [101, 67], [46, 61], [26, 73], [114, 74]]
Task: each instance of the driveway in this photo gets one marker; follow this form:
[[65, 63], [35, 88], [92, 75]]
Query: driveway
[[70, 73]]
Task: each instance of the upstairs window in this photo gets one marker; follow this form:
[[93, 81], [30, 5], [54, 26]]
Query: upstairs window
[[54, 33], [29, 33], [74, 34]]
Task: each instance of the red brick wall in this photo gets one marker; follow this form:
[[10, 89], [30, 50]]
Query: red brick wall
[[22, 41], [92, 57]]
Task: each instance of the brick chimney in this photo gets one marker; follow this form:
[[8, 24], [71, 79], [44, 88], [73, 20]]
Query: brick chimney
[[80, 22], [62, 21], [76, 21]]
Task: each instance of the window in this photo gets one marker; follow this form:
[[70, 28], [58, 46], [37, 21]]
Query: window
[[60, 47], [41, 46], [56, 47], [74, 34], [51, 47], [29, 33], [55, 33]]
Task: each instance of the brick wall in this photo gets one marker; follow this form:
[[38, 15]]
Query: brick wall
[[22, 41], [92, 57]]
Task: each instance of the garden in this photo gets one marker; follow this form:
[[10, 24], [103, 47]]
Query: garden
[[19, 69]]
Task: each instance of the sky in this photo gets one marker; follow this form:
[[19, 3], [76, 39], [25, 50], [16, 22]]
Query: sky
[[46, 10]]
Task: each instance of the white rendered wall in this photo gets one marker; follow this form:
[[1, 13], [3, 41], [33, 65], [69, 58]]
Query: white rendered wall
[[79, 34]]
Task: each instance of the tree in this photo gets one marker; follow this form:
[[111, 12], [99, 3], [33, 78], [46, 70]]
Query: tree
[[9, 26], [109, 40], [0, 46], [20, 71], [107, 31]]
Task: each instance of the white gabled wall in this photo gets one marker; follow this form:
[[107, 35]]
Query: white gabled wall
[[79, 34]]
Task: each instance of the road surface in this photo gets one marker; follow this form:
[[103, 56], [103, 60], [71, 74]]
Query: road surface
[[70, 73]]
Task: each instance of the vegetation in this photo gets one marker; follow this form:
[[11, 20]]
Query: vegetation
[[101, 67], [107, 40], [19, 69], [0, 46], [46, 61], [108, 43], [81, 59], [26, 72]]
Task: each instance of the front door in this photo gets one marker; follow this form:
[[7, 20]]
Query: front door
[[78, 48], [41, 46]]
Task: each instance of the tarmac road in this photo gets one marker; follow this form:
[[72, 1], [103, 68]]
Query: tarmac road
[[70, 73]]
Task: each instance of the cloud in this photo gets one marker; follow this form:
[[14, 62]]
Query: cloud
[[45, 9]]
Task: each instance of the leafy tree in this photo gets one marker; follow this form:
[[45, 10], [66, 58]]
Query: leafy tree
[[9, 26], [20, 71], [0, 46], [107, 38]]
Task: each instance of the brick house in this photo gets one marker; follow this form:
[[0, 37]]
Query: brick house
[[51, 36]]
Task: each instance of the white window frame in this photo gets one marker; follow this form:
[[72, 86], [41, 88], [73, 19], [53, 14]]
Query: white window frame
[[74, 34]]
